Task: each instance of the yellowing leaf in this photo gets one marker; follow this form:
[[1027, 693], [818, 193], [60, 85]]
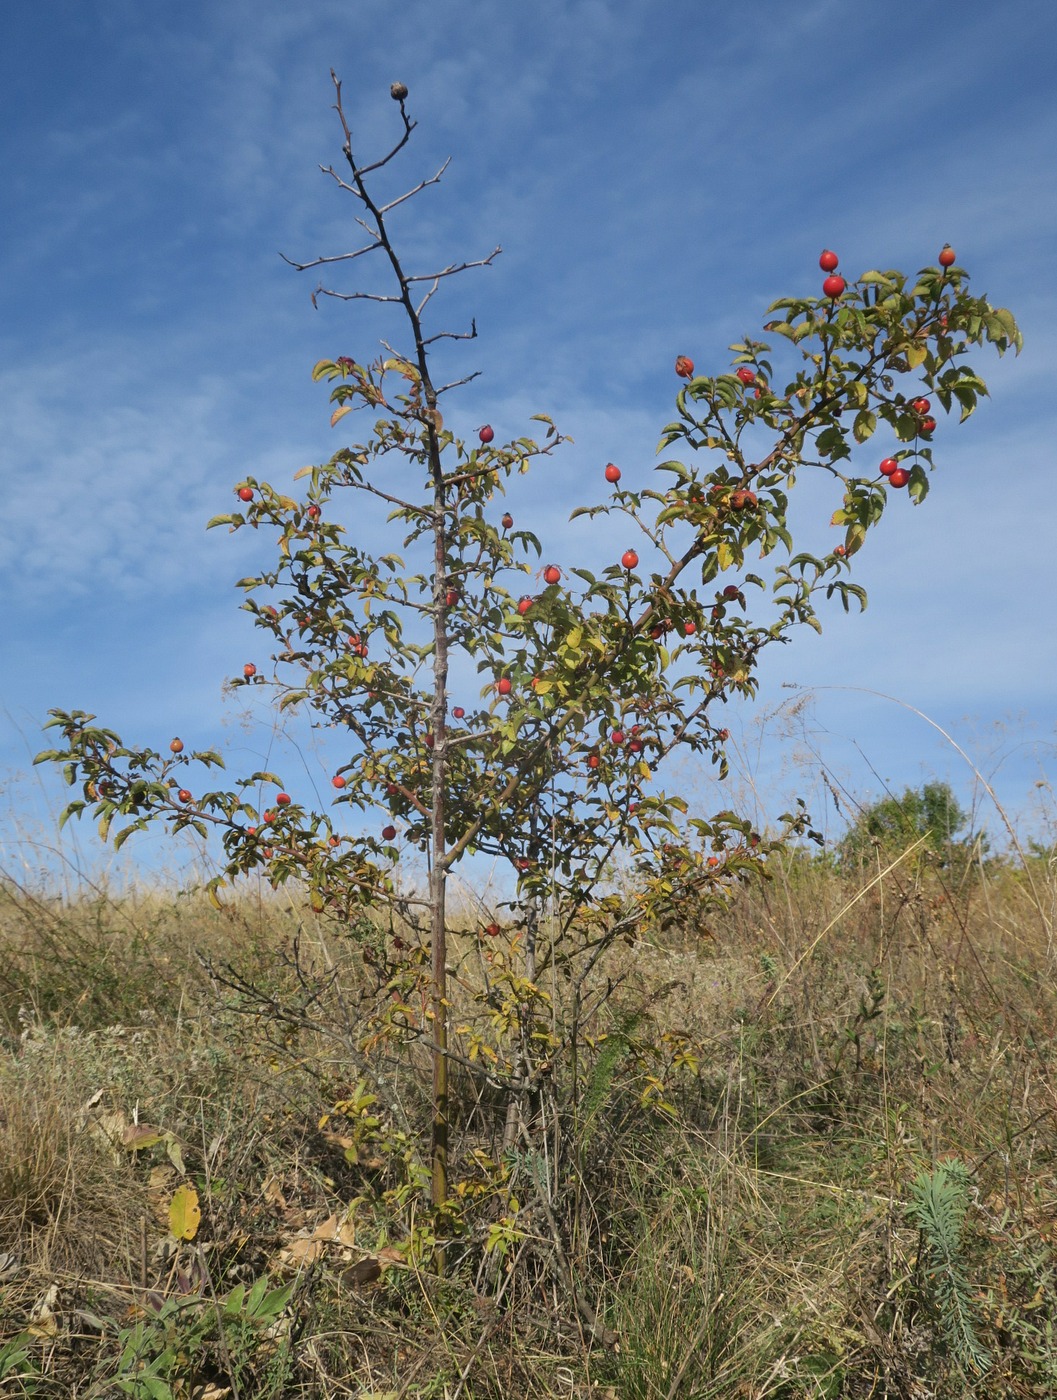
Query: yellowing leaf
[[916, 354], [340, 413], [138, 1136], [402, 367], [42, 1320], [185, 1214]]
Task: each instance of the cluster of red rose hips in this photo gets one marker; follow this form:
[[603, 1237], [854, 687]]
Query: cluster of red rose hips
[[922, 408], [897, 475], [619, 739], [834, 285]]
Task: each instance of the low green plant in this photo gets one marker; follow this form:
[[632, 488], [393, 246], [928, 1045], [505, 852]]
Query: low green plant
[[938, 1205], [192, 1337], [17, 1367]]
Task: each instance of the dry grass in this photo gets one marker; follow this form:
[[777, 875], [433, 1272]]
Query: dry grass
[[847, 1035]]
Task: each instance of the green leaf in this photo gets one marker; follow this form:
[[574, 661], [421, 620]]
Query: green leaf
[[73, 810], [865, 424], [918, 485], [50, 756], [233, 1302], [272, 1303], [123, 835]]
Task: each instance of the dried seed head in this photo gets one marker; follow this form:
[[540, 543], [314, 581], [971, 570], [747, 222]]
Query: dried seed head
[[398, 91]]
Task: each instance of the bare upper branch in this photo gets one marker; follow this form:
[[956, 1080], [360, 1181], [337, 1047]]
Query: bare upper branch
[[432, 180], [337, 257], [453, 269], [471, 334], [361, 170]]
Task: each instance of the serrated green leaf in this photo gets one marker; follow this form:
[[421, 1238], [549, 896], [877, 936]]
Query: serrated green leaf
[[73, 810], [917, 486], [864, 425], [670, 513], [126, 831]]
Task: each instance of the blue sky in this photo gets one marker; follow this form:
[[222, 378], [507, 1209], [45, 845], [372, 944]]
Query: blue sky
[[656, 175]]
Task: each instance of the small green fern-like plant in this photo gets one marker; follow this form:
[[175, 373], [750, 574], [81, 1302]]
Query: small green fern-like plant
[[616, 1046], [939, 1201]]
